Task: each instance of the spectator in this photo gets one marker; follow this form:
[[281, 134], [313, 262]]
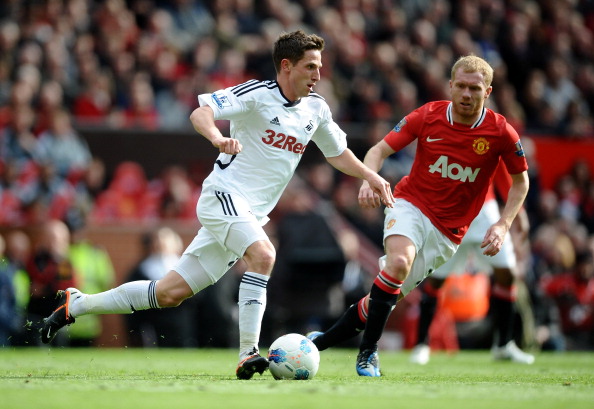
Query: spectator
[[141, 111], [93, 105], [49, 269], [560, 92], [94, 272], [127, 197], [10, 204], [17, 142], [14, 287], [5, 81], [8, 306], [165, 327], [61, 145], [179, 195], [51, 98], [193, 21]]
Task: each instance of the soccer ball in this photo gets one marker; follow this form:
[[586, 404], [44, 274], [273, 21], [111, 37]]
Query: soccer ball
[[293, 356]]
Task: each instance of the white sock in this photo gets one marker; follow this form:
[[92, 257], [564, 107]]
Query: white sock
[[252, 303], [125, 299]]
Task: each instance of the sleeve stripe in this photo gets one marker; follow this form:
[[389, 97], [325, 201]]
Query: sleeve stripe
[[239, 87], [251, 86]]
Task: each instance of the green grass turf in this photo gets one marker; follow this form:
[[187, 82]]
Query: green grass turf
[[205, 378]]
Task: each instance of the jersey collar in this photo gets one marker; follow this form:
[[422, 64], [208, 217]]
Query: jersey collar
[[479, 121], [289, 103]]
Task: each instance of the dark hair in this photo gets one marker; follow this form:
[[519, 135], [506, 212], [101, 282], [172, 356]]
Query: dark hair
[[293, 45]]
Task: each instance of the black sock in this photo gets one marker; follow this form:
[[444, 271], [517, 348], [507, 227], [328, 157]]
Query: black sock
[[503, 318], [427, 308], [347, 326], [381, 305]]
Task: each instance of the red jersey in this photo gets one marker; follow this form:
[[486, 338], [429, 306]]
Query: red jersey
[[454, 163], [501, 183]]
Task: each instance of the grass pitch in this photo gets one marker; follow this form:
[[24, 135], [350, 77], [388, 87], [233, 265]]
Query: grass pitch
[[205, 378]]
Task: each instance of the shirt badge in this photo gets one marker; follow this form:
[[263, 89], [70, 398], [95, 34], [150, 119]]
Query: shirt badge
[[480, 146], [400, 125], [390, 224], [519, 149], [221, 100], [309, 127]]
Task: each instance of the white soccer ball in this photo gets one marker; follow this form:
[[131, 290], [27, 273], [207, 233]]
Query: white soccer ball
[[293, 356]]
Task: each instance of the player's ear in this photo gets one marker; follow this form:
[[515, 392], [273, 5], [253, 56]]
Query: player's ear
[[488, 91], [286, 64]]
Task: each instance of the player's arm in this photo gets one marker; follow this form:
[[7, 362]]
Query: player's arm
[[496, 233], [349, 164], [374, 160], [203, 121], [502, 181]]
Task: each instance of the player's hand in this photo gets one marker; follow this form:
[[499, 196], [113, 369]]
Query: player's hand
[[375, 192], [367, 197], [493, 239], [382, 187], [228, 145]]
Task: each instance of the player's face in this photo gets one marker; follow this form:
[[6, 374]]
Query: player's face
[[304, 75], [469, 92]]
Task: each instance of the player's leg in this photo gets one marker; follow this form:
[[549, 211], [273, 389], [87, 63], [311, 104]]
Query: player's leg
[[186, 279], [503, 291], [349, 325], [400, 254], [503, 297], [170, 291], [429, 291], [231, 221], [415, 248], [259, 258], [502, 303], [247, 238], [427, 306]]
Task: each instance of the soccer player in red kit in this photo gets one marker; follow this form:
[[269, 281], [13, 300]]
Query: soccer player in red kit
[[503, 267], [459, 146]]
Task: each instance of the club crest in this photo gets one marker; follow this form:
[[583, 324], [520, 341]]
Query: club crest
[[480, 146]]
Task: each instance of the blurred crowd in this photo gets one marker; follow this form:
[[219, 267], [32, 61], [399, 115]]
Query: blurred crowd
[[141, 63], [68, 65]]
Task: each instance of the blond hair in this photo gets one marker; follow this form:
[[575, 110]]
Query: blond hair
[[472, 63]]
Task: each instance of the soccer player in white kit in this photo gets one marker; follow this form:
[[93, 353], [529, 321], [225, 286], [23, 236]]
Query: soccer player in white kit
[[272, 122]]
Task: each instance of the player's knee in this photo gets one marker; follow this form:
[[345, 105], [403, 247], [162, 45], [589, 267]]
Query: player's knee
[[397, 267], [260, 257], [172, 297]]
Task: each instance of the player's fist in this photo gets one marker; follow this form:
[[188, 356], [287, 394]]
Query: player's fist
[[228, 145]]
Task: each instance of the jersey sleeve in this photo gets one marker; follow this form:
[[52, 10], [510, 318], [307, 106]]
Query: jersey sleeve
[[513, 154], [225, 104], [404, 132], [329, 137]]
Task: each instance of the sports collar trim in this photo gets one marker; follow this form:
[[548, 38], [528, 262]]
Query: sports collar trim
[[476, 124]]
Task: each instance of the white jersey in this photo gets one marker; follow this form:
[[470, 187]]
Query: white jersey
[[274, 133]]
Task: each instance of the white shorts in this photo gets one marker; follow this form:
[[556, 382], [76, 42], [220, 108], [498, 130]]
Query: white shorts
[[470, 257], [433, 247], [228, 229]]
